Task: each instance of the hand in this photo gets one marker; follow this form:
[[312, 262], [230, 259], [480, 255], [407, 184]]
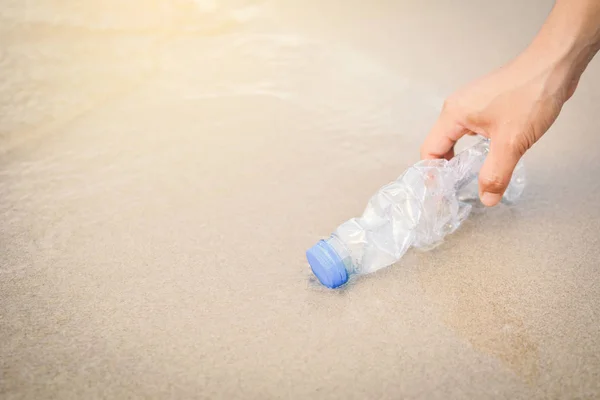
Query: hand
[[513, 106]]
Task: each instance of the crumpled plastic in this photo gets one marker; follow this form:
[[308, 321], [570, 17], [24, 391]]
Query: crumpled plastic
[[429, 201]]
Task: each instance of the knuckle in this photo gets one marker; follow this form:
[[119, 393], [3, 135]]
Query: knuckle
[[494, 183], [476, 119], [518, 145], [450, 105], [472, 118]]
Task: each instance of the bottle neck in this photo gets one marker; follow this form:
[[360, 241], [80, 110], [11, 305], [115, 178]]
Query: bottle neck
[[340, 248]]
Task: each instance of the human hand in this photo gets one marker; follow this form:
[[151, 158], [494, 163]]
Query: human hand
[[513, 106]]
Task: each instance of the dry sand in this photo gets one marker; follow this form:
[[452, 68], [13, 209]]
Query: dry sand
[[164, 167]]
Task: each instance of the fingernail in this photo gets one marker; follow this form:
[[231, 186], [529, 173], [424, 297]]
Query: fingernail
[[490, 199]]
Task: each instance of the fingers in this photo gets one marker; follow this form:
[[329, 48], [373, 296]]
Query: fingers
[[442, 137], [497, 170], [500, 163]]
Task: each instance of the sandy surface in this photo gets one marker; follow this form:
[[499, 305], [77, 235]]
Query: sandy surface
[[163, 169]]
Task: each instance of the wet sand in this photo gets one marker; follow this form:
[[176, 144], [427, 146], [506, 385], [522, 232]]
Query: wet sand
[[163, 169]]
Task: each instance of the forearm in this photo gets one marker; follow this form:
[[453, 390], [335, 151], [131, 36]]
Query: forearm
[[570, 37]]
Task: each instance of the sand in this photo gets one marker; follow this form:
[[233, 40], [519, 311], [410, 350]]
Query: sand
[[163, 169]]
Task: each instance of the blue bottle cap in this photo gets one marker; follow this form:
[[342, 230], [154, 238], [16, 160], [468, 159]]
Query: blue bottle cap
[[327, 265]]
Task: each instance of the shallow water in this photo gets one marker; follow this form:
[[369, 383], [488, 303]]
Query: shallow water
[[65, 61], [163, 168]]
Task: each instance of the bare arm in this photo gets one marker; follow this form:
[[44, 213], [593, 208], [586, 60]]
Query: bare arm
[[516, 104]]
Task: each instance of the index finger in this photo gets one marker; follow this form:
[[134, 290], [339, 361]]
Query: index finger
[[440, 141]]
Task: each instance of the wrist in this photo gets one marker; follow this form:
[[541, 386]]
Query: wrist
[[558, 56]]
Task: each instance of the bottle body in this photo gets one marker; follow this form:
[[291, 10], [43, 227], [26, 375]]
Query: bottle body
[[421, 207]]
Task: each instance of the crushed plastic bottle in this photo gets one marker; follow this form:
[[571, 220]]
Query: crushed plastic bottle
[[426, 203]]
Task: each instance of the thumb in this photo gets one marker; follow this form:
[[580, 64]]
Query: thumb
[[496, 171]]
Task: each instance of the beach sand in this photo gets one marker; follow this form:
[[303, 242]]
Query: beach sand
[[165, 165]]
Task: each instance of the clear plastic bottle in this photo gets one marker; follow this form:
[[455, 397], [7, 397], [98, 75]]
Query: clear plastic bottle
[[421, 207]]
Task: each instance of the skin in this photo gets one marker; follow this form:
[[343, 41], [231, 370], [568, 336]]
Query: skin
[[515, 105]]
